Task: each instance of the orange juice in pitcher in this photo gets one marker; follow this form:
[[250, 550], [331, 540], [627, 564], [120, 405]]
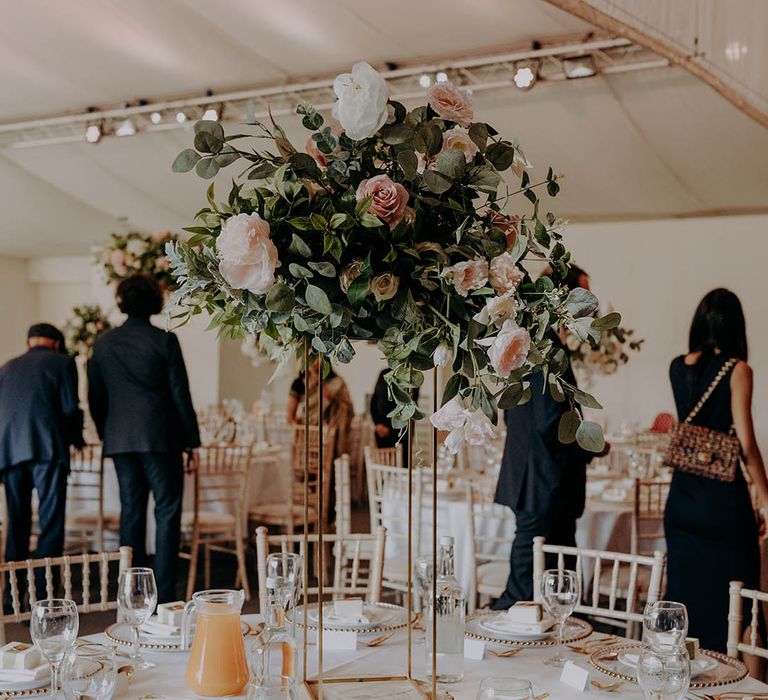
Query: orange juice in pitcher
[[217, 665]]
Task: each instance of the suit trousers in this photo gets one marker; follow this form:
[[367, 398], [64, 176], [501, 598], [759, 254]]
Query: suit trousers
[[558, 526], [162, 474]]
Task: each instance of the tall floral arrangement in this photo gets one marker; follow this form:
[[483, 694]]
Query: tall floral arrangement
[[397, 225], [136, 253], [86, 324]]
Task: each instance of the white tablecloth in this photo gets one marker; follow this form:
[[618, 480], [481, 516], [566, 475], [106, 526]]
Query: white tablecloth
[[166, 679]]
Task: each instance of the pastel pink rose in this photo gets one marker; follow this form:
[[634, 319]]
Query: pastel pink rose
[[469, 275], [502, 308], [248, 256], [451, 103], [389, 198], [509, 349], [478, 430], [117, 259], [458, 139], [450, 416], [505, 275]]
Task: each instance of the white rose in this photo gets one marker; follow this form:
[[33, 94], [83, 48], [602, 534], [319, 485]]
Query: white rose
[[501, 308], [450, 416], [442, 356], [248, 256], [361, 107], [136, 247], [478, 430], [454, 440]]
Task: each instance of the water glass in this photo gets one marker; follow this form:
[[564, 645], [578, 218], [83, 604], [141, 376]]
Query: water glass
[[664, 675], [560, 590], [271, 688], [136, 601], [89, 671], [53, 626], [665, 625], [498, 688], [284, 577]]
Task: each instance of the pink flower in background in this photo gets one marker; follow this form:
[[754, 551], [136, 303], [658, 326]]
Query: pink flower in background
[[451, 103], [468, 275], [389, 198], [117, 260], [478, 430], [505, 275], [458, 139], [161, 236], [509, 349], [248, 256]]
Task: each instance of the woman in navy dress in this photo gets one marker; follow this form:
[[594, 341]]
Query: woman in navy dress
[[711, 529]]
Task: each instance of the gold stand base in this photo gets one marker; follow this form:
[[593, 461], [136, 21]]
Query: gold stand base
[[420, 689]]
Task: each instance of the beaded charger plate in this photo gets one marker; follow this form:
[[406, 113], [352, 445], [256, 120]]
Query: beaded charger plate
[[27, 693], [383, 617], [121, 634], [608, 660], [575, 629]]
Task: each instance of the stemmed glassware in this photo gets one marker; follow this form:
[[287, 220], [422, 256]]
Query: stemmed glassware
[[284, 577], [136, 601], [560, 590], [665, 625], [664, 675], [271, 688], [89, 672], [497, 688], [53, 626]]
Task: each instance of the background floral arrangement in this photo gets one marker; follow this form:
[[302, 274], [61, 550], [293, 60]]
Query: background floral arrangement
[[392, 226], [136, 253], [86, 324], [607, 356]]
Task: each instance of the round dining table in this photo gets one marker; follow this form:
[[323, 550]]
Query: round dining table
[[166, 680]]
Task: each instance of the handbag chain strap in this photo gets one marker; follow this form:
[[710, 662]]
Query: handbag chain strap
[[718, 378]]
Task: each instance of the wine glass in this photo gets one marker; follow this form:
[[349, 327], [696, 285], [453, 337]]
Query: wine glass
[[560, 591], [271, 688], [136, 601], [665, 624], [663, 675], [422, 570], [53, 626], [284, 576], [89, 672], [498, 688]]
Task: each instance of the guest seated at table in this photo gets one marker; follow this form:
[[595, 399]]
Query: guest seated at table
[[711, 530], [542, 480], [338, 410], [39, 420], [139, 398]]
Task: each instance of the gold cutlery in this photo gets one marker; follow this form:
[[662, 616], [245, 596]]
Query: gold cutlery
[[607, 687], [379, 640], [541, 696], [506, 653]]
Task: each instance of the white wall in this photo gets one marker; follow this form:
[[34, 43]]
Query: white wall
[[18, 302], [655, 273]]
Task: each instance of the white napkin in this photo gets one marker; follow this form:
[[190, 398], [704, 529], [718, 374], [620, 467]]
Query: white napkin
[[155, 628], [27, 674], [503, 624]]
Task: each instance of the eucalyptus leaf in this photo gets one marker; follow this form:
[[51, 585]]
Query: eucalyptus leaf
[[409, 162], [585, 399], [581, 302], [451, 163], [395, 134], [567, 427], [207, 168], [325, 268], [437, 182], [317, 300], [511, 396], [280, 298], [299, 247], [500, 155], [185, 161], [590, 436], [607, 322]]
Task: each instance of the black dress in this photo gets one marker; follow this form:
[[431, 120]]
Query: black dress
[[711, 529]]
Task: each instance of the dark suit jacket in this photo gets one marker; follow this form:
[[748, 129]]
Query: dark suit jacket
[[138, 391], [539, 473], [39, 415]]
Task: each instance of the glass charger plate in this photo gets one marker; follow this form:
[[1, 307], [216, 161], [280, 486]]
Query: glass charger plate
[[384, 618], [122, 635], [575, 629], [728, 670], [31, 692]]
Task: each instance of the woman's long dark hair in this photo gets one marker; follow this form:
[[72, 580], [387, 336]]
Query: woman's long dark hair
[[718, 324]]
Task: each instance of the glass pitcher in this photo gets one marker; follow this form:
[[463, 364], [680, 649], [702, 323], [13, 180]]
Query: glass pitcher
[[217, 663]]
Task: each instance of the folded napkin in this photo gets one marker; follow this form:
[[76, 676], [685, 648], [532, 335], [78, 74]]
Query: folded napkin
[[502, 623], [19, 675], [155, 628]]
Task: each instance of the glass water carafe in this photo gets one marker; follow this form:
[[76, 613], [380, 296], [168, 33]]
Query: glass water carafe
[[449, 613], [275, 652]]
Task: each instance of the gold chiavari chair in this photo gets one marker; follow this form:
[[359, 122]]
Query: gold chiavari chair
[[63, 568], [216, 521]]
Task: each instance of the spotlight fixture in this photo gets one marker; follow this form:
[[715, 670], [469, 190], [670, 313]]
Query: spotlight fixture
[[441, 77], [181, 117], [125, 128], [526, 74], [93, 133], [579, 67], [425, 80], [156, 117], [213, 113]]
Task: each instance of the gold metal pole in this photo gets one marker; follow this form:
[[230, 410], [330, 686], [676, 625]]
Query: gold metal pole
[[305, 563], [409, 436], [320, 553], [434, 539]]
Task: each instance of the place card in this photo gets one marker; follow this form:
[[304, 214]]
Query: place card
[[18, 656], [338, 640], [171, 613], [350, 609], [474, 649], [575, 676]]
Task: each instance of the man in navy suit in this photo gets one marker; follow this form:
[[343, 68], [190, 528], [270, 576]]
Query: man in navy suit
[[138, 392], [39, 420]]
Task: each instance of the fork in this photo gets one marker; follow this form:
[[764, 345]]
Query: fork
[[379, 640], [506, 653], [607, 687]]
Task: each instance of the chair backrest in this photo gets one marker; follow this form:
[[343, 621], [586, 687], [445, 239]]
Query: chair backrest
[[358, 562], [387, 456], [85, 492], [298, 449], [65, 566], [736, 623], [343, 505], [623, 601], [648, 515], [221, 480], [277, 430]]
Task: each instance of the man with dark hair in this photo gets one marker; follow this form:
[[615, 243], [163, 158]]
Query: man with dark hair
[[542, 480], [39, 420], [140, 401]]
